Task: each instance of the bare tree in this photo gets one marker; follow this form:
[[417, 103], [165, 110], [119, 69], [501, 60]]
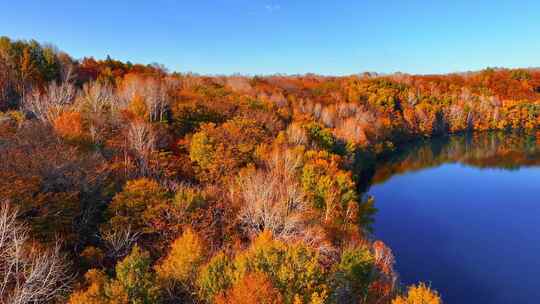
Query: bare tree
[[67, 68], [153, 91], [28, 274], [119, 241], [384, 260], [296, 134], [271, 203], [156, 99], [317, 110], [272, 198], [97, 98], [351, 130], [100, 105], [142, 143], [328, 116], [49, 105]]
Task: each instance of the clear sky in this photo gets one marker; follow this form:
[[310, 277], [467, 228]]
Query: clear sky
[[331, 37]]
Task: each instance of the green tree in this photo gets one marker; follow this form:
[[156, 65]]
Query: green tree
[[215, 277], [353, 275], [294, 269], [134, 283], [134, 274]]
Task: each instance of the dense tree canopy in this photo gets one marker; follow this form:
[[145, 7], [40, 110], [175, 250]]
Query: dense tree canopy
[[162, 187]]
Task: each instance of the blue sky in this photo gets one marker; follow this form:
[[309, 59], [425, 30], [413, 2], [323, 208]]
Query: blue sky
[[329, 37]]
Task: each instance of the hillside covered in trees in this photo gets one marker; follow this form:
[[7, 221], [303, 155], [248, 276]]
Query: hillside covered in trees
[[126, 183]]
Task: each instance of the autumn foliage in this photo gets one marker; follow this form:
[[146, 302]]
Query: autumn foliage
[[181, 188], [253, 288], [69, 125], [420, 294]]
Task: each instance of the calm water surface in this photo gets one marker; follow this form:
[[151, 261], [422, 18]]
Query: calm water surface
[[463, 213]]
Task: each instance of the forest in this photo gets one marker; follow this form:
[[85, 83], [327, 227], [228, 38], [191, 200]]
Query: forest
[[127, 183]]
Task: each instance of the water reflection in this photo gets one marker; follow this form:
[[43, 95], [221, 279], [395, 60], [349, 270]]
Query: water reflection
[[462, 213], [483, 150]]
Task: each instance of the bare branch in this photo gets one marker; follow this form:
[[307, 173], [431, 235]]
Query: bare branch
[[142, 142], [29, 274], [119, 241], [272, 199], [49, 105]]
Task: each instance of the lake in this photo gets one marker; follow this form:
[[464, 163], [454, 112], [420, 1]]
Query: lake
[[462, 213]]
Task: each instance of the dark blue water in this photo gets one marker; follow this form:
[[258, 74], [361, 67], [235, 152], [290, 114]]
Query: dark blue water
[[462, 222]]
